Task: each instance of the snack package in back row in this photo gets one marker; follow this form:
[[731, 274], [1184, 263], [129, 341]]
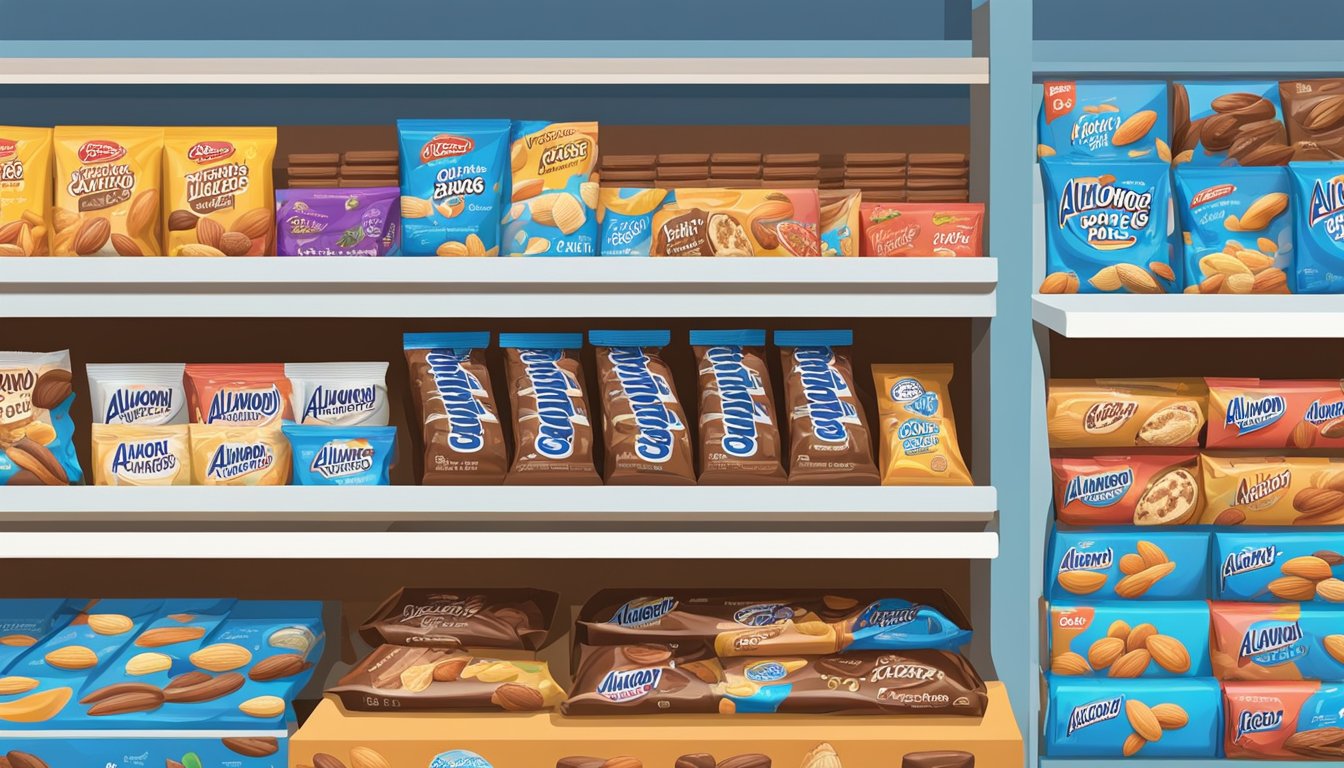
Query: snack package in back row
[[1228, 123], [839, 221], [553, 204], [710, 222], [1317, 201], [452, 180], [1110, 120], [1236, 229], [1314, 113], [217, 191], [25, 191], [107, 191]]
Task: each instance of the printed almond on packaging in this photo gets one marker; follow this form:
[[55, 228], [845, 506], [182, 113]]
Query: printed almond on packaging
[[107, 195], [218, 197]]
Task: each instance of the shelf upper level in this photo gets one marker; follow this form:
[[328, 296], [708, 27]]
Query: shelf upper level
[[1093, 316]]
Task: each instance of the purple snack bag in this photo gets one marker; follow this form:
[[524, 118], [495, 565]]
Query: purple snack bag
[[338, 222]]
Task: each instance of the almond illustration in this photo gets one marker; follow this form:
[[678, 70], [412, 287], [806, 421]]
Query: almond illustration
[[92, 235], [1142, 720], [148, 664], [450, 670], [146, 699], [1119, 628], [182, 221], [1133, 743], [1105, 651], [1325, 114], [1259, 213], [1136, 585], [125, 246], [1230, 516], [252, 746], [1307, 567], [1294, 588], [1138, 636], [366, 757], [221, 657], [1082, 582], [12, 685], [1334, 645], [1055, 282], [189, 689], [1134, 128], [1331, 590], [1106, 279], [525, 190], [143, 215], [110, 623], [263, 707], [36, 708], [1170, 716], [199, 251], [208, 232], [1169, 653], [161, 636], [72, 657], [255, 224], [1131, 564], [278, 667], [234, 244], [1131, 664], [415, 207], [517, 697], [1069, 663]]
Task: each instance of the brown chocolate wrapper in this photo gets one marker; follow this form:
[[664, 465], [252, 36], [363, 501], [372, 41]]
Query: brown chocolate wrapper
[[397, 678], [856, 683], [739, 438], [450, 388], [829, 440], [642, 419], [944, 758], [463, 618], [643, 679], [552, 429], [1314, 113]]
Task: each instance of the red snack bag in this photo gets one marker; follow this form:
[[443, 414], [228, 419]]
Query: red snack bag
[[239, 394], [1261, 413], [1284, 720], [1127, 490], [921, 229]]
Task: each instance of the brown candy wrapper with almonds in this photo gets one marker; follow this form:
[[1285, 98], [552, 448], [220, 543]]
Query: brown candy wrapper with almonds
[[463, 618], [463, 437], [739, 434], [1121, 413], [645, 679], [829, 438], [643, 422], [398, 678], [1273, 490], [552, 426], [1314, 113]]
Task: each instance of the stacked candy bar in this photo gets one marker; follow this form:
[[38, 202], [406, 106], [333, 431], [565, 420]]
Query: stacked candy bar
[[683, 169], [938, 177], [326, 170], [796, 170], [735, 169], [881, 175], [629, 170]]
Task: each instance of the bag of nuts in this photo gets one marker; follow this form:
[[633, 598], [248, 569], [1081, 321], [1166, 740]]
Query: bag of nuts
[[25, 191], [36, 433], [107, 192], [217, 195]]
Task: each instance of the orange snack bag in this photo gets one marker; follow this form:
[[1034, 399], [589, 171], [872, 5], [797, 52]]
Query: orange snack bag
[[922, 229], [252, 394], [107, 191], [218, 196], [1259, 413], [25, 191]]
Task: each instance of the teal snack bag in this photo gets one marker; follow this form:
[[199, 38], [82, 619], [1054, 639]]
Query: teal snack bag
[[1104, 120], [1228, 123], [360, 455], [1317, 201], [555, 190], [626, 217], [1236, 229], [452, 177]]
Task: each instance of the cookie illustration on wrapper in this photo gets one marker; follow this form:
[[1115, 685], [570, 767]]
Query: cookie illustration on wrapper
[[1171, 499], [1174, 425]]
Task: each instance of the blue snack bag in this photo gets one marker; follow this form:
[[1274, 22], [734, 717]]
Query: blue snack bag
[[1113, 718], [36, 432], [1106, 225], [341, 455], [555, 190], [1240, 213], [626, 217], [1104, 119], [1228, 123], [1318, 225], [452, 178], [1255, 567], [1127, 564]]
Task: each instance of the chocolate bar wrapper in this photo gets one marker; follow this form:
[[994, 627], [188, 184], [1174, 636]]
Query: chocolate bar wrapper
[[552, 430], [463, 438], [643, 422], [645, 679], [1092, 717], [36, 433], [1284, 721], [1228, 123], [401, 679], [855, 683], [148, 395], [739, 437], [829, 439], [338, 222], [462, 618], [1314, 113]]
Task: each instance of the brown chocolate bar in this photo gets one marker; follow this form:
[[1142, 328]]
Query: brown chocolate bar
[[792, 158], [790, 171], [1314, 113], [933, 196], [398, 678], [313, 158], [462, 618], [371, 157], [678, 172], [552, 429], [732, 183], [937, 183], [368, 171], [836, 173], [825, 184], [643, 424], [875, 158], [885, 196], [463, 439], [829, 439], [623, 176], [313, 183], [790, 183], [937, 158], [628, 162], [371, 182], [313, 172], [735, 158], [739, 434], [938, 759], [938, 171], [647, 679], [875, 172], [736, 171], [875, 183], [687, 183], [683, 158]]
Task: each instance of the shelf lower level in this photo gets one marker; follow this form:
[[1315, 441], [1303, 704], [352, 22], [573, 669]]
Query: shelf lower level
[[1095, 316]]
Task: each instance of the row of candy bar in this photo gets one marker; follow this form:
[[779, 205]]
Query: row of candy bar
[[644, 425]]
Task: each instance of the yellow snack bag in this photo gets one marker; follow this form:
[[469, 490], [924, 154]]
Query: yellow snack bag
[[222, 454], [125, 454], [107, 191], [555, 190], [1120, 413], [218, 191], [25, 191], [919, 433]]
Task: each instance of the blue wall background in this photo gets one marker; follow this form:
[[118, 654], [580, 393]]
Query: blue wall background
[[1187, 20]]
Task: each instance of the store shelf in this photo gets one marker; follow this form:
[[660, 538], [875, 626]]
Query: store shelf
[[1090, 316], [536, 287], [1165, 59]]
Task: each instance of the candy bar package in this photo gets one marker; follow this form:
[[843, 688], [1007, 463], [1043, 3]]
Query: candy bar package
[[401, 679], [130, 454], [25, 194], [146, 394], [1236, 229], [552, 429], [455, 404], [108, 200], [1277, 641], [1293, 567], [839, 227], [1317, 201], [644, 679], [361, 455], [1113, 120], [224, 454], [338, 222], [1127, 565], [1272, 490], [922, 229], [553, 209], [643, 422], [739, 432], [1314, 113], [693, 221], [1261, 413], [829, 439], [238, 394], [36, 433], [1122, 413], [1284, 720], [1143, 489], [453, 174], [517, 619], [919, 433], [338, 394], [1107, 227], [1145, 718], [1125, 640], [217, 198], [1228, 123]]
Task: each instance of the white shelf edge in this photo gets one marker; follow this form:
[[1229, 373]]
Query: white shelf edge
[[1088, 316], [363, 545]]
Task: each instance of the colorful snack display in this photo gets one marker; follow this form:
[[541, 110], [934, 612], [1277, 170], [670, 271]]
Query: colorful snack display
[[452, 179], [1123, 640], [645, 679], [107, 191], [555, 190], [1236, 229], [1277, 641], [238, 394], [922, 229], [1260, 413], [839, 226], [1284, 720], [1273, 490], [1297, 567], [455, 404], [1228, 123], [552, 430], [508, 618], [361, 455], [25, 191], [1145, 489], [1314, 113], [36, 433], [1124, 718], [145, 394], [1123, 413], [1127, 565], [1106, 227], [1317, 200], [227, 454], [829, 440], [739, 436], [643, 424], [695, 221], [402, 679], [338, 394], [127, 454], [1104, 119], [217, 192], [338, 222], [919, 433]]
